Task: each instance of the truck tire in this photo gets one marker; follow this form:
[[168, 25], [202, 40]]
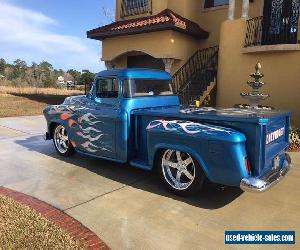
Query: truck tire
[[180, 172], [61, 141]]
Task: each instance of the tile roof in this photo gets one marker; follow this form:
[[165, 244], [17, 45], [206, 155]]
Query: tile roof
[[165, 20]]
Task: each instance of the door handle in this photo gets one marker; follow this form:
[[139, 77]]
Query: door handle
[[71, 109]]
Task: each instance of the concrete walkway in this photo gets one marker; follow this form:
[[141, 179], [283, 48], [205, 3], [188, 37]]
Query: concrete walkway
[[128, 208]]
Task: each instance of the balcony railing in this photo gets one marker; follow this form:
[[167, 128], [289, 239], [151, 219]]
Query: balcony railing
[[254, 32], [263, 31], [135, 7]]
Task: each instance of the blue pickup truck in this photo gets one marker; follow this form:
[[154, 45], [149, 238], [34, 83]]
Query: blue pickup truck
[[132, 116]]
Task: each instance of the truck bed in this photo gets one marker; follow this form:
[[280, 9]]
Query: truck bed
[[219, 114], [254, 124]]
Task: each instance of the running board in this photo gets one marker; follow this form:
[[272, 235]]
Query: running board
[[138, 163]]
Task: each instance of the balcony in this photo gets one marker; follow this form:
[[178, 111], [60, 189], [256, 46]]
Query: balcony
[[135, 7], [263, 31]]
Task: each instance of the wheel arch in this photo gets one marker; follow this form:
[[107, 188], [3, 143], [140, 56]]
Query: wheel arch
[[164, 146], [52, 125], [69, 148]]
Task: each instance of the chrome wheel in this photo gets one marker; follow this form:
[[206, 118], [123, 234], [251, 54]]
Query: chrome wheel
[[178, 169], [61, 139]]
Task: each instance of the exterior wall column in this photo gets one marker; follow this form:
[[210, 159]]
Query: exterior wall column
[[109, 64], [168, 64], [245, 9], [231, 9]]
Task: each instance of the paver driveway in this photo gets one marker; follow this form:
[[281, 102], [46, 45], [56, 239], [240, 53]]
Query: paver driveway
[[128, 208]]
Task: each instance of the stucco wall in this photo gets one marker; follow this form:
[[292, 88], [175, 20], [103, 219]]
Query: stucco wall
[[211, 19], [163, 44], [208, 19], [281, 69], [158, 44]]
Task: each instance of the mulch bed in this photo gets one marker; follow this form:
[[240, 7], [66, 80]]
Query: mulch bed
[[78, 232], [294, 148]]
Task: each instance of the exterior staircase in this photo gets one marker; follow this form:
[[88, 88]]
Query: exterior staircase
[[196, 79], [206, 97]]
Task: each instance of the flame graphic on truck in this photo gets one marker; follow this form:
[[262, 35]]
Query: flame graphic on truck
[[186, 126], [85, 125]]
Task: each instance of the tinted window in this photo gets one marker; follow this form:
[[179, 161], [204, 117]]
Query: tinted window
[[215, 3], [107, 88], [144, 87]]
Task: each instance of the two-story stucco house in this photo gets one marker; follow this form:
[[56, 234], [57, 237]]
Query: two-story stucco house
[[210, 46]]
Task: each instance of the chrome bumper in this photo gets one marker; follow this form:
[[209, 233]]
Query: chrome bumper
[[263, 183]]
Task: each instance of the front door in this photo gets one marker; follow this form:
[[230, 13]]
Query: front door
[[97, 121], [280, 22]]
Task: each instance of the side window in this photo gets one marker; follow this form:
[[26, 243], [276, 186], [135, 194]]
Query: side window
[[107, 88], [215, 3]]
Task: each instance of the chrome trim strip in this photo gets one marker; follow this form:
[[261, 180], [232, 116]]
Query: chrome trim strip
[[262, 184]]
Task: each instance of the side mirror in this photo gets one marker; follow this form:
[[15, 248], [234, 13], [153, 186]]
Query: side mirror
[[90, 93]]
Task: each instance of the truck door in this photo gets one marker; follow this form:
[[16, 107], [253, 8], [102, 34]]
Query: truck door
[[97, 121]]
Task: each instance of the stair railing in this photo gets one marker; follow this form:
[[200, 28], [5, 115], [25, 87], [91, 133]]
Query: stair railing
[[195, 64], [200, 68]]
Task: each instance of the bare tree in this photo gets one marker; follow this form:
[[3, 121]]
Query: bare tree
[[108, 13]]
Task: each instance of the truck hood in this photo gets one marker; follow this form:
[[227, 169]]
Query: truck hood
[[76, 100]]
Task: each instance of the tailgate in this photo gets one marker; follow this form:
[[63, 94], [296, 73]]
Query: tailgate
[[276, 141]]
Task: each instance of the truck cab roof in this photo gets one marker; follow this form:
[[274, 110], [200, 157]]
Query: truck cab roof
[[135, 73]]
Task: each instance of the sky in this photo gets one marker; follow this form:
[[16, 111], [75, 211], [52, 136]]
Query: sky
[[53, 30]]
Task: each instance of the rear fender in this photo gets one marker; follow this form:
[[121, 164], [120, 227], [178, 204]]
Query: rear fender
[[185, 149], [220, 151]]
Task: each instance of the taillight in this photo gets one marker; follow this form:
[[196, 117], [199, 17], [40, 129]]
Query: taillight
[[247, 166]]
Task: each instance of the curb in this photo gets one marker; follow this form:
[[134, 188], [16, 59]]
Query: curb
[[74, 228]]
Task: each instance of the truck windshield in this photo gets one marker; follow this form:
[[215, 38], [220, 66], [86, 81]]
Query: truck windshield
[[146, 87]]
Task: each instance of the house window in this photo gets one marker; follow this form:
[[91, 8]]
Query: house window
[[215, 3], [135, 7], [132, 4]]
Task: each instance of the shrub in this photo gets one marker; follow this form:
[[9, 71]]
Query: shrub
[[294, 140]]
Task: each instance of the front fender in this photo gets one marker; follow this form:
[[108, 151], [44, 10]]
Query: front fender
[[58, 114]]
